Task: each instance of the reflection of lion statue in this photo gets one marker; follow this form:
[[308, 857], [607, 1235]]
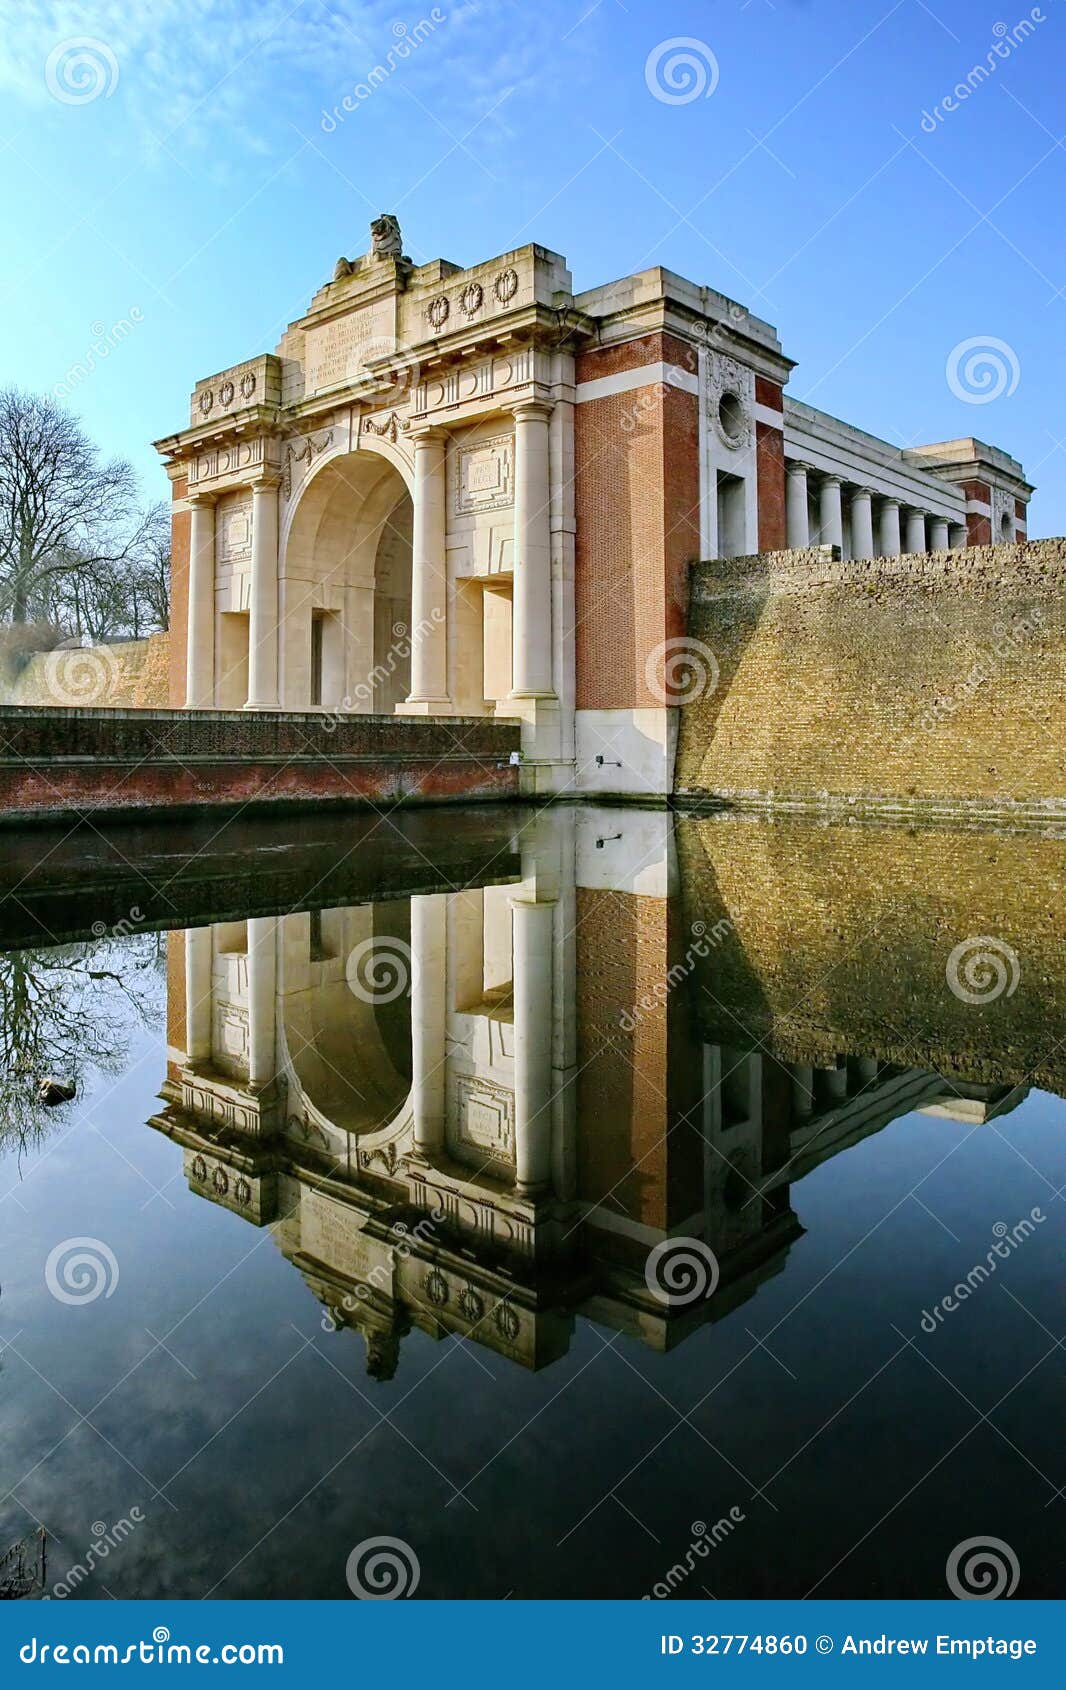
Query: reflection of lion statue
[[385, 238]]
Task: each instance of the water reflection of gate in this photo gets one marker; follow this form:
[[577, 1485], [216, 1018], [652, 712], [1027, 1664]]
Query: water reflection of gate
[[478, 1111]]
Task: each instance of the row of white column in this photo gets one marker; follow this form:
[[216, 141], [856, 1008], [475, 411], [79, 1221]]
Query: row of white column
[[262, 990], [532, 585], [898, 528], [533, 929]]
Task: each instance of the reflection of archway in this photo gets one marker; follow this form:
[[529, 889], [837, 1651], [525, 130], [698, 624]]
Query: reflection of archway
[[345, 589], [345, 1037]]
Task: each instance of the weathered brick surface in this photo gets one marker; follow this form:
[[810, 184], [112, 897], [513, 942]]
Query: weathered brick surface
[[907, 681], [85, 761], [180, 531], [637, 508], [840, 940]]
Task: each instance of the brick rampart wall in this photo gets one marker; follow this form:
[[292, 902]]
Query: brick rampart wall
[[906, 682]]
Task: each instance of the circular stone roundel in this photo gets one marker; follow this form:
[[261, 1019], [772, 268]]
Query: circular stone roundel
[[471, 297], [437, 311], [436, 1288]]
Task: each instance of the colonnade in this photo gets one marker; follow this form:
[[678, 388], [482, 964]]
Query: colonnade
[[879, 525]]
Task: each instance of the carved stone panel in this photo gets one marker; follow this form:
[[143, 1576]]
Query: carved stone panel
[[484, 1117], [234, 530], [483, 475]]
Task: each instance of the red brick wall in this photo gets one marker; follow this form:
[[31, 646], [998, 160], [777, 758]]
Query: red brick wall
[[637, 507], [978, 527]]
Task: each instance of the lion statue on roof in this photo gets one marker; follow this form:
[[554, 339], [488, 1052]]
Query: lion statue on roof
[[385, 238]]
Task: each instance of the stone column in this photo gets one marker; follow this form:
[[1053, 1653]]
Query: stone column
[[263, 620], [200, 641], [830, 513], [862, 523], [889, 528], [915, 531], [198, 953], [797, 515], [429, 575], [429, 929], [957, 537], [262, 1013], [531, 629], [938, 534], [533, 929]]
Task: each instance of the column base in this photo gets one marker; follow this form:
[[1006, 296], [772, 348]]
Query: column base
[[257, 705], [426, 707]]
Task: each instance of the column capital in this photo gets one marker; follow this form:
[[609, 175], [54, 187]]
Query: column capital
[[201, 501], [266, 481], [858, 492], [887, 501], [531, 410], [829, 479], [797, 466], [427, 434]]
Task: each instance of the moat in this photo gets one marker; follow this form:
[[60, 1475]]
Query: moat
[[588, 1201]]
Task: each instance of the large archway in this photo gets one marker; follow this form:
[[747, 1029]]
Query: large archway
[[345, 589]]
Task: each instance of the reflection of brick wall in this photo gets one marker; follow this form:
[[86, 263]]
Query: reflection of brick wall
[[175, 998], [180, 528], [908, 679], [634, 1078], [637, 508]]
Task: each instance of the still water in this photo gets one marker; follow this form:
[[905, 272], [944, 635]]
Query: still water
[[594, 1202]]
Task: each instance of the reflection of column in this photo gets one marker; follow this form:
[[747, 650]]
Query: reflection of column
[[862, 523], [198, 994], [263, 621], [531, 667], [802, 1089], [200, 637], [428, 1004], [262, 968], [533, 928], [938, 535], [830, 512], [915, 531], [429, 573], [797, 517], [889, 528]]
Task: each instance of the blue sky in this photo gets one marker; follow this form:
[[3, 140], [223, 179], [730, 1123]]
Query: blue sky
[[202, 197]]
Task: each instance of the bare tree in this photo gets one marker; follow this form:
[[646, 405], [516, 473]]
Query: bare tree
[[63, 511], [69, 1011]]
